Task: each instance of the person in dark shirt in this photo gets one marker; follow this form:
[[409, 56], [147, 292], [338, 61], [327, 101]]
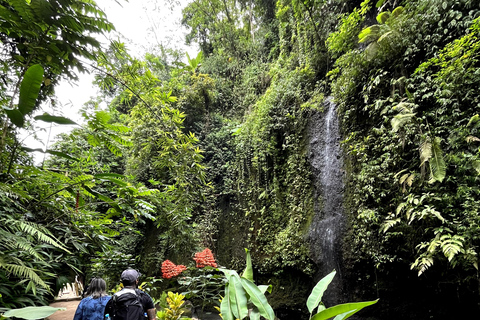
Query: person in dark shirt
[[92, 307], [129, 280]]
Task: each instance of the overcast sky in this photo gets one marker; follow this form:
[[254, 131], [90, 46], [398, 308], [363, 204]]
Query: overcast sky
[[141, 25]]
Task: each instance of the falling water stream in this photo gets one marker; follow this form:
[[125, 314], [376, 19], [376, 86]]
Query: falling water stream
[[325, 234]]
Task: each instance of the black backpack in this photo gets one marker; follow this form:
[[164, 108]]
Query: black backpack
[[127, 305]]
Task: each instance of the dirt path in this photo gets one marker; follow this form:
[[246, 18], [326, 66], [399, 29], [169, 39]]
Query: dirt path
[[68, 314]]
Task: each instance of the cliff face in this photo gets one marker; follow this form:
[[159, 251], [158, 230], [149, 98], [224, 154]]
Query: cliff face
[[379, 182]]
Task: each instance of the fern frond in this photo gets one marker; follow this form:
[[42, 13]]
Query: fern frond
[[400, 208], [451, 246], [113, 149], [422, 264], [102, 117], [400, 120], [476, 165], [433, 245], [40, 233], [121, 140], [425, 150], [399, 173], [148, 192], [93, 140], [409, 180], [25, 272], [404, 107], [471, 139], [118, 128], [10, 241], [389, 224], [82, 178], [403, 178]]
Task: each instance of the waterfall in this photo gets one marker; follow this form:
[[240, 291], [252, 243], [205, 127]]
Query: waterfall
[[325, 233]]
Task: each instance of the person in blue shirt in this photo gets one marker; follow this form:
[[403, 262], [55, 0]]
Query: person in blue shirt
[[93, 306]]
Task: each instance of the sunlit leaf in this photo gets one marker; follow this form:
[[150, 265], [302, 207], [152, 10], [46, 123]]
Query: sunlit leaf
[[29, 88]]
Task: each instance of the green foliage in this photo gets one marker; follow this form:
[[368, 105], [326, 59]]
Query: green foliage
[[202, 287], [423, 91], [242, 294], [32, 312], [341, 311], [175, 308], [342, 41], [29, 89]]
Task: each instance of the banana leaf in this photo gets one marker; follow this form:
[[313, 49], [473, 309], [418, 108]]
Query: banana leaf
[[258, 299], [32, 312], [345, 310], [315, 297]]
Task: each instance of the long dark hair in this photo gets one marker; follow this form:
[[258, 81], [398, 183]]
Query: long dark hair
[[97, 288]]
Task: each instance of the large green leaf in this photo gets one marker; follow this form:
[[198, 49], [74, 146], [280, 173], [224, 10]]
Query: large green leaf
[[254, 314], [398, 11], [248, 272], [106, 199], [238, 296], [315, 297], [383, 17], [16, 117], [55, 119], [258, 299], [32, 312], [226, 306], [112, 177], [29, 88], [55, 153], [345, 310], [438, 168]]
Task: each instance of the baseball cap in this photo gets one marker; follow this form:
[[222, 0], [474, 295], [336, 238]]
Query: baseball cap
[[130, 275]]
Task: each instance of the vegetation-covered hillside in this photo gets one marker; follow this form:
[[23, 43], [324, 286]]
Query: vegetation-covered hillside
[[212, 151]]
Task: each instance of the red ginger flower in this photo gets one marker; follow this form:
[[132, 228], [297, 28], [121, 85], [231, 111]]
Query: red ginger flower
[[205, 258], [170, 270]]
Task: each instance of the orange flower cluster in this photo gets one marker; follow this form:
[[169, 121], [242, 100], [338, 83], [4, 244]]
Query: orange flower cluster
[[205, 258], [170, 270]]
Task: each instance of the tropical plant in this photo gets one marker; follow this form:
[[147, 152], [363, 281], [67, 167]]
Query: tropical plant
[[429, 145], [31, 313], [340, 312], [242, 297], [175, 308]]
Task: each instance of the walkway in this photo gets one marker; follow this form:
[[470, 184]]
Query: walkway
[[68, 314]]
